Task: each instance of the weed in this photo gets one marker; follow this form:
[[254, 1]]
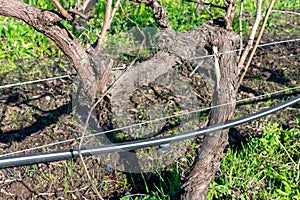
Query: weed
[[265, 167]]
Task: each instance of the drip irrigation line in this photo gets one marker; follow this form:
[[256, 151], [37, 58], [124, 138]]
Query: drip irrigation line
[[146, 122], [15, 161], [126, 67]]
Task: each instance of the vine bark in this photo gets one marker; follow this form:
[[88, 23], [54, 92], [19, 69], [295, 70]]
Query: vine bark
[[94, 70]]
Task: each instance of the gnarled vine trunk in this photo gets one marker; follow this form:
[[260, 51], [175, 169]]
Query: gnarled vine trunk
[[94, 70], [181, 47], [208, 158]]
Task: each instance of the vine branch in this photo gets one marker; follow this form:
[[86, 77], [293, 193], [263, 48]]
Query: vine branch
[[62, 10], [109, 15], [252, 35], [269, 10], [106, 25], [241, 26], [160, 13]]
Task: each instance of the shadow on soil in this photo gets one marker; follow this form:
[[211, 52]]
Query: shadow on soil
[[163, 184], [41, 122]]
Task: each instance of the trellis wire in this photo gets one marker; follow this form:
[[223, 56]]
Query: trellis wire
[[36, 158], [126, 67], [150, 121], [237, 50], [36, 81]]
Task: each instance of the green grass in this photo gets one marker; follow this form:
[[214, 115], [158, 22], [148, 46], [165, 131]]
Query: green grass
[[264, 168], [250, 12], [164, 188], [19, 41]]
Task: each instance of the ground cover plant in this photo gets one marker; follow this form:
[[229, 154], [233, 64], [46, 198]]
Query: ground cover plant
[[263, 168], [45, 114]]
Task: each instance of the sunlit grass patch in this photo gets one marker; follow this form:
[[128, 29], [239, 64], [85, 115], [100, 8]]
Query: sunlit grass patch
[[264, 168]]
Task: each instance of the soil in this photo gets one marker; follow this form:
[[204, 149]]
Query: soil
[[38, 114]]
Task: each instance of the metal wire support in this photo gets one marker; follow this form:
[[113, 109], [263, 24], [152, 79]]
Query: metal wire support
[[14, 161], [147, 122], [125, 67]]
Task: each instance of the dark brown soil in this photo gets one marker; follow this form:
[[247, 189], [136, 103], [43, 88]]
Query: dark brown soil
[[38, 114]]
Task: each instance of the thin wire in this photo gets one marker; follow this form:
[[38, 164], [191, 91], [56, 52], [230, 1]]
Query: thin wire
[[190, 112], [237, 50], [36, 81], [151, 121], [126, 67], [142, 123], [50, 79], [36, 158]]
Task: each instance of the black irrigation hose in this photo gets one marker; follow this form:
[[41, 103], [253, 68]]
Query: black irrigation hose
[[14, 161]]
